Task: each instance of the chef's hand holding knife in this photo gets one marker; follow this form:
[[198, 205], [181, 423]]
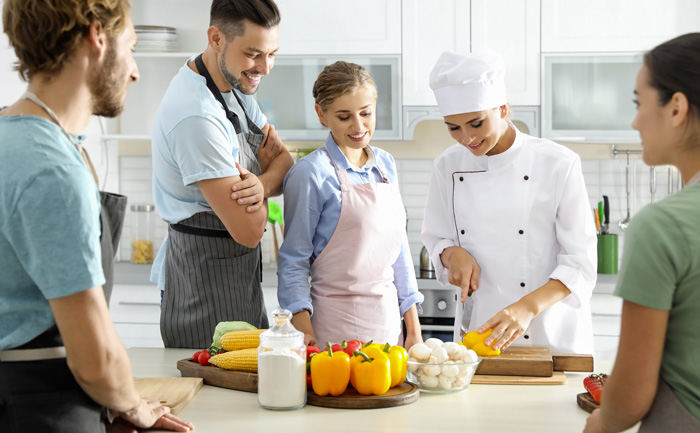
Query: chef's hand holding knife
[[463, 269], [511, 322]]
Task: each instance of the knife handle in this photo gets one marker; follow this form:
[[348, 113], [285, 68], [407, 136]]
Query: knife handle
[[606, 209]]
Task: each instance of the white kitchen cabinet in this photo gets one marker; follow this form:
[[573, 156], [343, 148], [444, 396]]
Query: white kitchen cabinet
[[322, 27], [135, 312], [615, 26], [606, 310], [429, 29], [511, 28]]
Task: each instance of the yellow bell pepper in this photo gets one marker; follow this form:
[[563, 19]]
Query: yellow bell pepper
[[330, 372], [398, 358], [370, 371], [475, 341]]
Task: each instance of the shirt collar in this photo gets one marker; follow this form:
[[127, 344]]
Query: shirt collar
[[341, 161], [504, 158]]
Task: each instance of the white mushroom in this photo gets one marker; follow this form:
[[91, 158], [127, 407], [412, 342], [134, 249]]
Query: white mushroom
[[451, 348], [470, 356], [450, 369], [429, 381], [444, 382], [439, 354], [412, 367], [433, 342], [420, 351]]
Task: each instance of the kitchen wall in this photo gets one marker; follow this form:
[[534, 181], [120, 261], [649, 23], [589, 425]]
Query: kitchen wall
[[603, 175]]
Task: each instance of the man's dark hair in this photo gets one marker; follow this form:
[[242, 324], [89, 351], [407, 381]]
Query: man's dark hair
[[230, 15]]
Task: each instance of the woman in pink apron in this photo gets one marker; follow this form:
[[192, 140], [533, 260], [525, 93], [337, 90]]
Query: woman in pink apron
[[345, 267], [656, 378]]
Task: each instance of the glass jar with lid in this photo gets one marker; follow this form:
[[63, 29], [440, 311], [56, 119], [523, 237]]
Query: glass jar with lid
[[282, 365], [142, 241]]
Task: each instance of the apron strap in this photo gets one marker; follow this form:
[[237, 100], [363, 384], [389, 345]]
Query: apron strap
[[232, 117]]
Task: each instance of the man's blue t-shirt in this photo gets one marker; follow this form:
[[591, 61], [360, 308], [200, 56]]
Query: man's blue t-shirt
[[49, 226]]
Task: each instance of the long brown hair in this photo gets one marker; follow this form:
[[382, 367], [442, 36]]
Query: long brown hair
[[674, 66]]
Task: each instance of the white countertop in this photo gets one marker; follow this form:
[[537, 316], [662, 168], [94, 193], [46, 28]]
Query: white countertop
[[479, 408]]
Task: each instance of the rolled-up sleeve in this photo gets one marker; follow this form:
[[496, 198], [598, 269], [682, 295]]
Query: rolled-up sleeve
[[575, 230], [405, 280], [303, 203]]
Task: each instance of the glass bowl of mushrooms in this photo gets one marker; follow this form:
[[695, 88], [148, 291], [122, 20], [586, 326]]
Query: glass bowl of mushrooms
[[439, 367]]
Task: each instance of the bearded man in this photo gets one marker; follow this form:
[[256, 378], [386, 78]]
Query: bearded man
[[62, 366], [209, 138]]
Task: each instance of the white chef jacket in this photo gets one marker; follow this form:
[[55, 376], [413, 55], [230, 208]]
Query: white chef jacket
[[524, 216]]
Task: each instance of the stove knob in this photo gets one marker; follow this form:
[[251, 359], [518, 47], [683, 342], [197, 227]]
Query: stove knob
[[442, 305]]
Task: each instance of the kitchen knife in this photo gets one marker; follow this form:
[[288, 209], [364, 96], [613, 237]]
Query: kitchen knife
[[606, 210], [600, 217]]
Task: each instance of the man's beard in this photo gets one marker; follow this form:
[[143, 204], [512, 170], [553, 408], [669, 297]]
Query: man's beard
[[235, 82], [105, 87]]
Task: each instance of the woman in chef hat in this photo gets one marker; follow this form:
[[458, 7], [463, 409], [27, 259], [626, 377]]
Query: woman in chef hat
[[345, 226], [507, 217], [656, 378]]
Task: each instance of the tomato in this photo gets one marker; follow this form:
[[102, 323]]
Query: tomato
[[594, 385], [338, 347], [310, 350], [352, 346], [195, 357], [204, 358]]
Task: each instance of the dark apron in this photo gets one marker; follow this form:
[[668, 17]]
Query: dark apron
[[667, 414], [209, 277], [113, 207], [44, 395]]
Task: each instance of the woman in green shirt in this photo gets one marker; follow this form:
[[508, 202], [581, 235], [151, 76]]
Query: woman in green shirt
[[656, 378]]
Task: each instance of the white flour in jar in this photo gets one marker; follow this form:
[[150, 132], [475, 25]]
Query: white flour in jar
[[281, 380]]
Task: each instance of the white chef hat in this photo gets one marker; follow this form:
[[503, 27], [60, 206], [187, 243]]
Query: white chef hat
[[464, 83]]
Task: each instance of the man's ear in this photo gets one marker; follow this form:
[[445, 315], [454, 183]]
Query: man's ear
[[216, 39], [321, 116], [97, 38], [679, 108]]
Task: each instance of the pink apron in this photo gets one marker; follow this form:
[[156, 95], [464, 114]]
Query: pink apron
[[352, 280]]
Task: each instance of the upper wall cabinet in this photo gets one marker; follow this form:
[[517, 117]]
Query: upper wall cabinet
[[357, 27], [610, 26], [511, 28], [429, 28]]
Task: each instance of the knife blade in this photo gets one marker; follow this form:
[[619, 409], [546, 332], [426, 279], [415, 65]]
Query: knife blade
[[600, 217], [606, 210]]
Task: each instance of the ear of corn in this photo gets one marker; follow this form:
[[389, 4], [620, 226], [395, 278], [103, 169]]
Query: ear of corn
[[242, 360], [237, 340]]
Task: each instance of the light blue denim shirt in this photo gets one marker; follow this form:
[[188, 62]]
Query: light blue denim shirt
[[312, 203]]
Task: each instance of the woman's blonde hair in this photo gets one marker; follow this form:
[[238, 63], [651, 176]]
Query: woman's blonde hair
[[44, 33], [338, 79]]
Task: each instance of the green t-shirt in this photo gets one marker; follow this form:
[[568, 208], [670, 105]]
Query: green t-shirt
[[661, 269]]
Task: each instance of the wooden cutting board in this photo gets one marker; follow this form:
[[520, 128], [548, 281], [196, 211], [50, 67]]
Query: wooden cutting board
[[586, 402], [400, 395], [405, 393], [557, 378], [533, 361], [173, 392]]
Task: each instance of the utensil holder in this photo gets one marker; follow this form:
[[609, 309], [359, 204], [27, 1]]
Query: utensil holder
[[607, 254]]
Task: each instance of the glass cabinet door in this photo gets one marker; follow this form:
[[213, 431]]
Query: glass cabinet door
[[589, 97], [285, 96]]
